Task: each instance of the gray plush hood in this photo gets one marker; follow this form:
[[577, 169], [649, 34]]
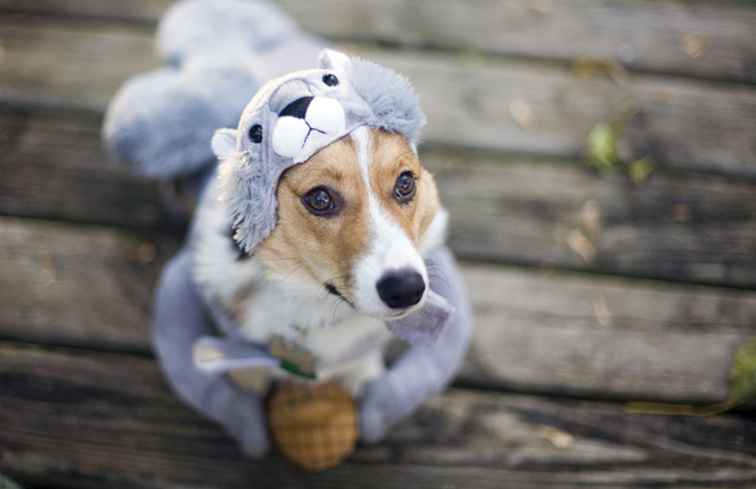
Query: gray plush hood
[[294, 116]]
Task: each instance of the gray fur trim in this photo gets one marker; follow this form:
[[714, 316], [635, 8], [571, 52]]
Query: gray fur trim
[[245, 192], [395, 105]]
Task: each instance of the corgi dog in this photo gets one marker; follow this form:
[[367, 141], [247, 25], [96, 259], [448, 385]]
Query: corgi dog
[[317, 239], [355, 222]]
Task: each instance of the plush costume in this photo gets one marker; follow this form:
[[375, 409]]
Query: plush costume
[[162, 123]]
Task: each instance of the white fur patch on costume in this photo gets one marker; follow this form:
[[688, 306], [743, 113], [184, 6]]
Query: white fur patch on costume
[[297, 138]]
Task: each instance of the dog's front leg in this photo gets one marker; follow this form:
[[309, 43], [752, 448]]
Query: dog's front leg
[[179, 320], [424, 369]]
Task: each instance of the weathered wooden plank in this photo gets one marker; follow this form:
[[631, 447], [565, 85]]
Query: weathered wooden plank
[[65, 284], [70, 65], [679, 227], [53, 167], [504, 209], [513, 106], [687, 38], [534, 331], [571, 334], [144, 11], [684, 38], [533, 109], [107, 420]]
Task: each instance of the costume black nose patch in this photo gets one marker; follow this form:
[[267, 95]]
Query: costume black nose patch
[[401, 289], [297, 108]]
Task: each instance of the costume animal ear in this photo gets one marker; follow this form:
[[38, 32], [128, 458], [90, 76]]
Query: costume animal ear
[[334, 60], [224, 143], [247, 180]]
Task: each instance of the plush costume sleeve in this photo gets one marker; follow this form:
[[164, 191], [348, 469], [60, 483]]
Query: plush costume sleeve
[[179, 320], [424, 369]]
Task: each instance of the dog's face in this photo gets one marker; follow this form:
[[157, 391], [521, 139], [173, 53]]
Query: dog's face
[[354, 219]]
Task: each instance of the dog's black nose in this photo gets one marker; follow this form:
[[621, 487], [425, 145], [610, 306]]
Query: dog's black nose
[[297, 108], [401, 289]]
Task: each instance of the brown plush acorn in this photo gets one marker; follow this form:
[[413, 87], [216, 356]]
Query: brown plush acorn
[[314, 425]]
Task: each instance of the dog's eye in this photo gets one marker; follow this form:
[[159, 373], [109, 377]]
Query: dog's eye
[[255, 133], [330, 80], [405, 188], [322, 201]]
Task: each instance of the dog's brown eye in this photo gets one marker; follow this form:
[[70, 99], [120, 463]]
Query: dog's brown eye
[[322, 201], [404, 188]]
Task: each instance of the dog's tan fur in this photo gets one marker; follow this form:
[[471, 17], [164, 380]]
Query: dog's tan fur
[[325, 249], [391, 157]]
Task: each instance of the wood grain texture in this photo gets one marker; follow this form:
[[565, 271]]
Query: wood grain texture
[[143, 11], [684, 38], [526, 108], [570, 335], [90, 419], [551, 333], [550, 213], [697, 39], [70, 65], [53, 167], [76, 284], [471, 102]]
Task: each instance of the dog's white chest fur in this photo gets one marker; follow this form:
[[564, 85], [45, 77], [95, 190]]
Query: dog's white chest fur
[[348, 347], [323, 326]]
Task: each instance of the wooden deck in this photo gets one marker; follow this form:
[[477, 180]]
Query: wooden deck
[[589, 289]]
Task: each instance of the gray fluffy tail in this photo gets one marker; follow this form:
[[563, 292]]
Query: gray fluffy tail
[[218, 53]]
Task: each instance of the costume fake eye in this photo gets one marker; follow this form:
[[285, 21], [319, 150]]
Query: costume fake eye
[[255, 133], [330, 80], [405, 188], [323, 202]]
